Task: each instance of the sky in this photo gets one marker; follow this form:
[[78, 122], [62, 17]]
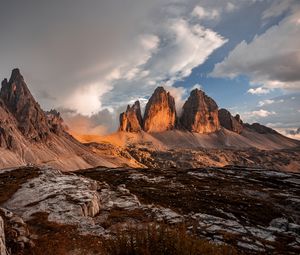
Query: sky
[[89, 59]]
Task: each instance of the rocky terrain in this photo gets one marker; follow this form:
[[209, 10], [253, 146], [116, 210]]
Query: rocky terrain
[[249, 210], [28, 135], [202, 135]]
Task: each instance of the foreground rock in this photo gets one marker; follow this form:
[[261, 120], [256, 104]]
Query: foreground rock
[[253, 210], [200, 113], [160, 113], [2, 238]]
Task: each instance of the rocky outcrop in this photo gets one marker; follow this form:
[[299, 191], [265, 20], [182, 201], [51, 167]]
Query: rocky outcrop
[[131, 120], [2, 238], [261, 129], [55, 121], [17, 234], [200, 113], [31, 119], [229, 122], [160, 113]]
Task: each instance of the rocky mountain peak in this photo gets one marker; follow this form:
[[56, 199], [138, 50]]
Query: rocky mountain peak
[[131, 120], [16, 75], [32, 121], [229, 122], [200, 113], [160, 113]]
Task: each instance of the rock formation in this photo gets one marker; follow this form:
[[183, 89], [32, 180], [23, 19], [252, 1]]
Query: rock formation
[[200, 113], [28, 135], [2, 238], [32, 121], [261, 129], [131, 120], [160, 113], [229, 122], [55, 121]]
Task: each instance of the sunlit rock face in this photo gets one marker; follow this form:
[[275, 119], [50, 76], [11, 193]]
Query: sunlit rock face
[[229, 122], [160, 114], [31, 119], [200, 113], [131, 120]]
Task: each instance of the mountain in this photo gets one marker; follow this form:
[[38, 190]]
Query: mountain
[[160, 113], [200, 116], [200, 113], [202, 136], [28, 135]]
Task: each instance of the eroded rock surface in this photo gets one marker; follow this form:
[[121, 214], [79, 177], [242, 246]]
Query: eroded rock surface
[[200, 113], [2, 238], [17, 234], [160, 113], [254, 210]]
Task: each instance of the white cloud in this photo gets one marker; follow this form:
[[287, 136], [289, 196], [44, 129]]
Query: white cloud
[[85, 100], [270, 60], [180, 95], [258, 91], [183, 46], [261, 113], [265, 102], [202, 13], [277, 8], [230, 7]]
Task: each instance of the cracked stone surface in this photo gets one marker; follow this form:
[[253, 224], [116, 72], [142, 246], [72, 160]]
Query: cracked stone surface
[[252, 209]]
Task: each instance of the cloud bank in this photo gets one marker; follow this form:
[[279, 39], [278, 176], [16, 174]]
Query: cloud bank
[[271, 60]]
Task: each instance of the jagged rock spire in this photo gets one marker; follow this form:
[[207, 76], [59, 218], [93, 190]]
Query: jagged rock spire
[[160, 113], [200, 113], [131, 120], [32, 121]]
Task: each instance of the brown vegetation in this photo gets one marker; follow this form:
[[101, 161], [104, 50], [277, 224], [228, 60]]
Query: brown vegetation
[[160, 239]]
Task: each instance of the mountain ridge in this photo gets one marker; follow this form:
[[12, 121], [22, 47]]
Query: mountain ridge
[[29, 135]]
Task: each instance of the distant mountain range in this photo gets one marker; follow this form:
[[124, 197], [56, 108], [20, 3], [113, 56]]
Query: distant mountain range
[[29, 135]]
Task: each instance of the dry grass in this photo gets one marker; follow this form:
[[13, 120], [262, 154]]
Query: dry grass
[[161, 240]]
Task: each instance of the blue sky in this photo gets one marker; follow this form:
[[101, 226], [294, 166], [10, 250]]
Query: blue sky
[[91, 58]]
